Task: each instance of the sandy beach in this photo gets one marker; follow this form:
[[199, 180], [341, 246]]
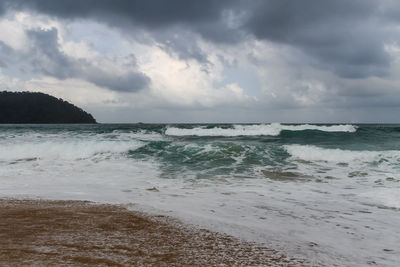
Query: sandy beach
[[71, 233]]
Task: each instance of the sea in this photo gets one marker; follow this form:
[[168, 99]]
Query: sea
[[326, 192]]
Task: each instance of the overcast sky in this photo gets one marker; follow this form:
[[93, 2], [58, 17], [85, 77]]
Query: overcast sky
[[209, 60]]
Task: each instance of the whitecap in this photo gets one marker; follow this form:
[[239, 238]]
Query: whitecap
[[273, 129], [336, 155]]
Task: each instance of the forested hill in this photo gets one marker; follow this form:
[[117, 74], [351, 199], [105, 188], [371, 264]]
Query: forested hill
[[27, 107]]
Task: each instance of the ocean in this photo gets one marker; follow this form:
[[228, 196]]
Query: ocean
[[330, 193]]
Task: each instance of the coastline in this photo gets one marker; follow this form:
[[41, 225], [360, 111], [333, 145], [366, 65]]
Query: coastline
[[54, 232]]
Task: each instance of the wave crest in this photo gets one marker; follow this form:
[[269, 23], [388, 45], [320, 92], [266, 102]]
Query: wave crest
[[273, 129], [314, 153]]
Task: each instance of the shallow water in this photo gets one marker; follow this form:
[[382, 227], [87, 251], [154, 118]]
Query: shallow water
[[327, 192]]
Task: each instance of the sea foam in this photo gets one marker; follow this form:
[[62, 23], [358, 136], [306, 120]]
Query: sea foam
[[68, 146], [314, 153], [68, 150], [273, 129]]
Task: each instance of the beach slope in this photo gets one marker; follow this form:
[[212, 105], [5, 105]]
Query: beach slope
[[41, 232]]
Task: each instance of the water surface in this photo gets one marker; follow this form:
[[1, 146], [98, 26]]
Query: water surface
[[328, 192]]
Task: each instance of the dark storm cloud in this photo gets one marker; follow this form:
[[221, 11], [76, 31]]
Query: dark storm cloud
[[183, 44], [151, 14], [345, 37], [1, 8], [46, 58], [204, 17]]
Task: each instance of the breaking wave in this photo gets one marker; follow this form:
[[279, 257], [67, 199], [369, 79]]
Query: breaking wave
[[273, 129], [65, 149], [314, 153]]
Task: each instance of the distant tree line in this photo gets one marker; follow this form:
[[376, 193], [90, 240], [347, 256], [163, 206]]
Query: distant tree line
[[29, 107]]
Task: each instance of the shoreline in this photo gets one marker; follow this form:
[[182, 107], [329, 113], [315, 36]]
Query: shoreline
[[73, 232]]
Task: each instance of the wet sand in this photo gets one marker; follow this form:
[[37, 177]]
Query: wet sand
[[80, 233]]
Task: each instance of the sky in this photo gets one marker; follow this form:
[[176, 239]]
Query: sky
[[191, 61]]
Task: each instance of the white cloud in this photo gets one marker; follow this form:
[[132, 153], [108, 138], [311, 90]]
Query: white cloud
[[79, 50], [13, 27], [12, 34], [186, 83], [77, 91]]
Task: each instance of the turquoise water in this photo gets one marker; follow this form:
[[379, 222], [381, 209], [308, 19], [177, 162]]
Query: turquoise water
[[287, 185]]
